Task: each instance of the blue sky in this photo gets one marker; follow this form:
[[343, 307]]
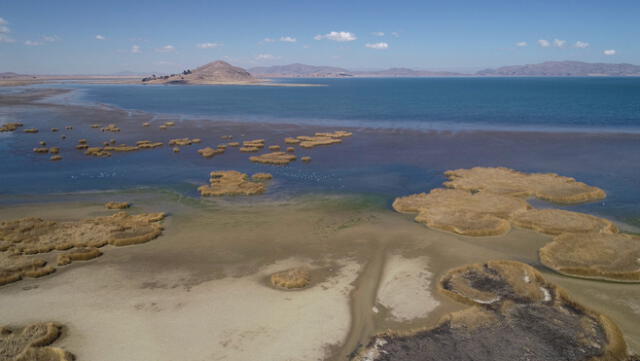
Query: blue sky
[[89, 37]]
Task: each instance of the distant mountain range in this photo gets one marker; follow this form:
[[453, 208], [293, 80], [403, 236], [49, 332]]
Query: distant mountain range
[[565, 68], [298, 70], [549, 68]]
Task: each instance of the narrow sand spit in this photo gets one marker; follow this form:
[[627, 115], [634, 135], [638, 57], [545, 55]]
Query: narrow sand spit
[[405, 288], [110, 318]]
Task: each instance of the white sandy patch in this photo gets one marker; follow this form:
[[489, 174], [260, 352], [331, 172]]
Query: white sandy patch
[[405, 288], [110, 318]]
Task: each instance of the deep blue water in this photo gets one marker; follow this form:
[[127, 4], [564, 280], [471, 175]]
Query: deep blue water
[[601, 104]]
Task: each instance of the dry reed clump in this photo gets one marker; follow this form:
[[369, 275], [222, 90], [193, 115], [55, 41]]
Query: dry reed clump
[[55, 158], [147, 144], [231, 182], [292, 278], [10, 127], [546, 186], [306, 159], [13, 267], [274, 148], [335, 134], [277, 158], [97, 152], [291, 149], [226, 137], [514, 314], [31, 343], [19, 239], [261, 176], [557, 221], [290, 140], [184, 141], [462, 212], [611, 257], [31, 130], [209, 152], [117, 205], [111, 128], [249, 149], [312, 142], [233, 144], [78, 254], [255, 143]]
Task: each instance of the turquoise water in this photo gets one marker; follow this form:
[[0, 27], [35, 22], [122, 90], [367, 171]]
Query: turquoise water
[[586, 104]]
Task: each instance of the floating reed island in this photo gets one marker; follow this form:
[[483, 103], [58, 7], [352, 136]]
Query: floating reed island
[[232, 183], [514, 314], [490, 201], [24, 241]]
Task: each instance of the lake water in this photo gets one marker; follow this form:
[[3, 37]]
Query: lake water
[[586, 104], [407, 133]]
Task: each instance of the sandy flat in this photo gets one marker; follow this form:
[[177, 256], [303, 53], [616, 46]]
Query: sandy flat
[[111, 318], [405, 288]]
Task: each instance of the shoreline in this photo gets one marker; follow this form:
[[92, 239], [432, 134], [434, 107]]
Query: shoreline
[[209, 255], [42, 96]]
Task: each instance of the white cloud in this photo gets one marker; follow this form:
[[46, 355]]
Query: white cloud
[[581, 44], [379, 46], [284, 39], [208, 45], [559, 43], [166, 49], [32, 43], [521, 44], [609, 52], [51, 38], [100, 37], [377, 33], [288, 39], [266, 57], [4, 31], [337, 36], [544, 43], [136, 49], [395, 34]]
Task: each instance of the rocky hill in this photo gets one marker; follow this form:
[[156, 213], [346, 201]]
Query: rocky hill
[[217, 72], [565, 68]]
